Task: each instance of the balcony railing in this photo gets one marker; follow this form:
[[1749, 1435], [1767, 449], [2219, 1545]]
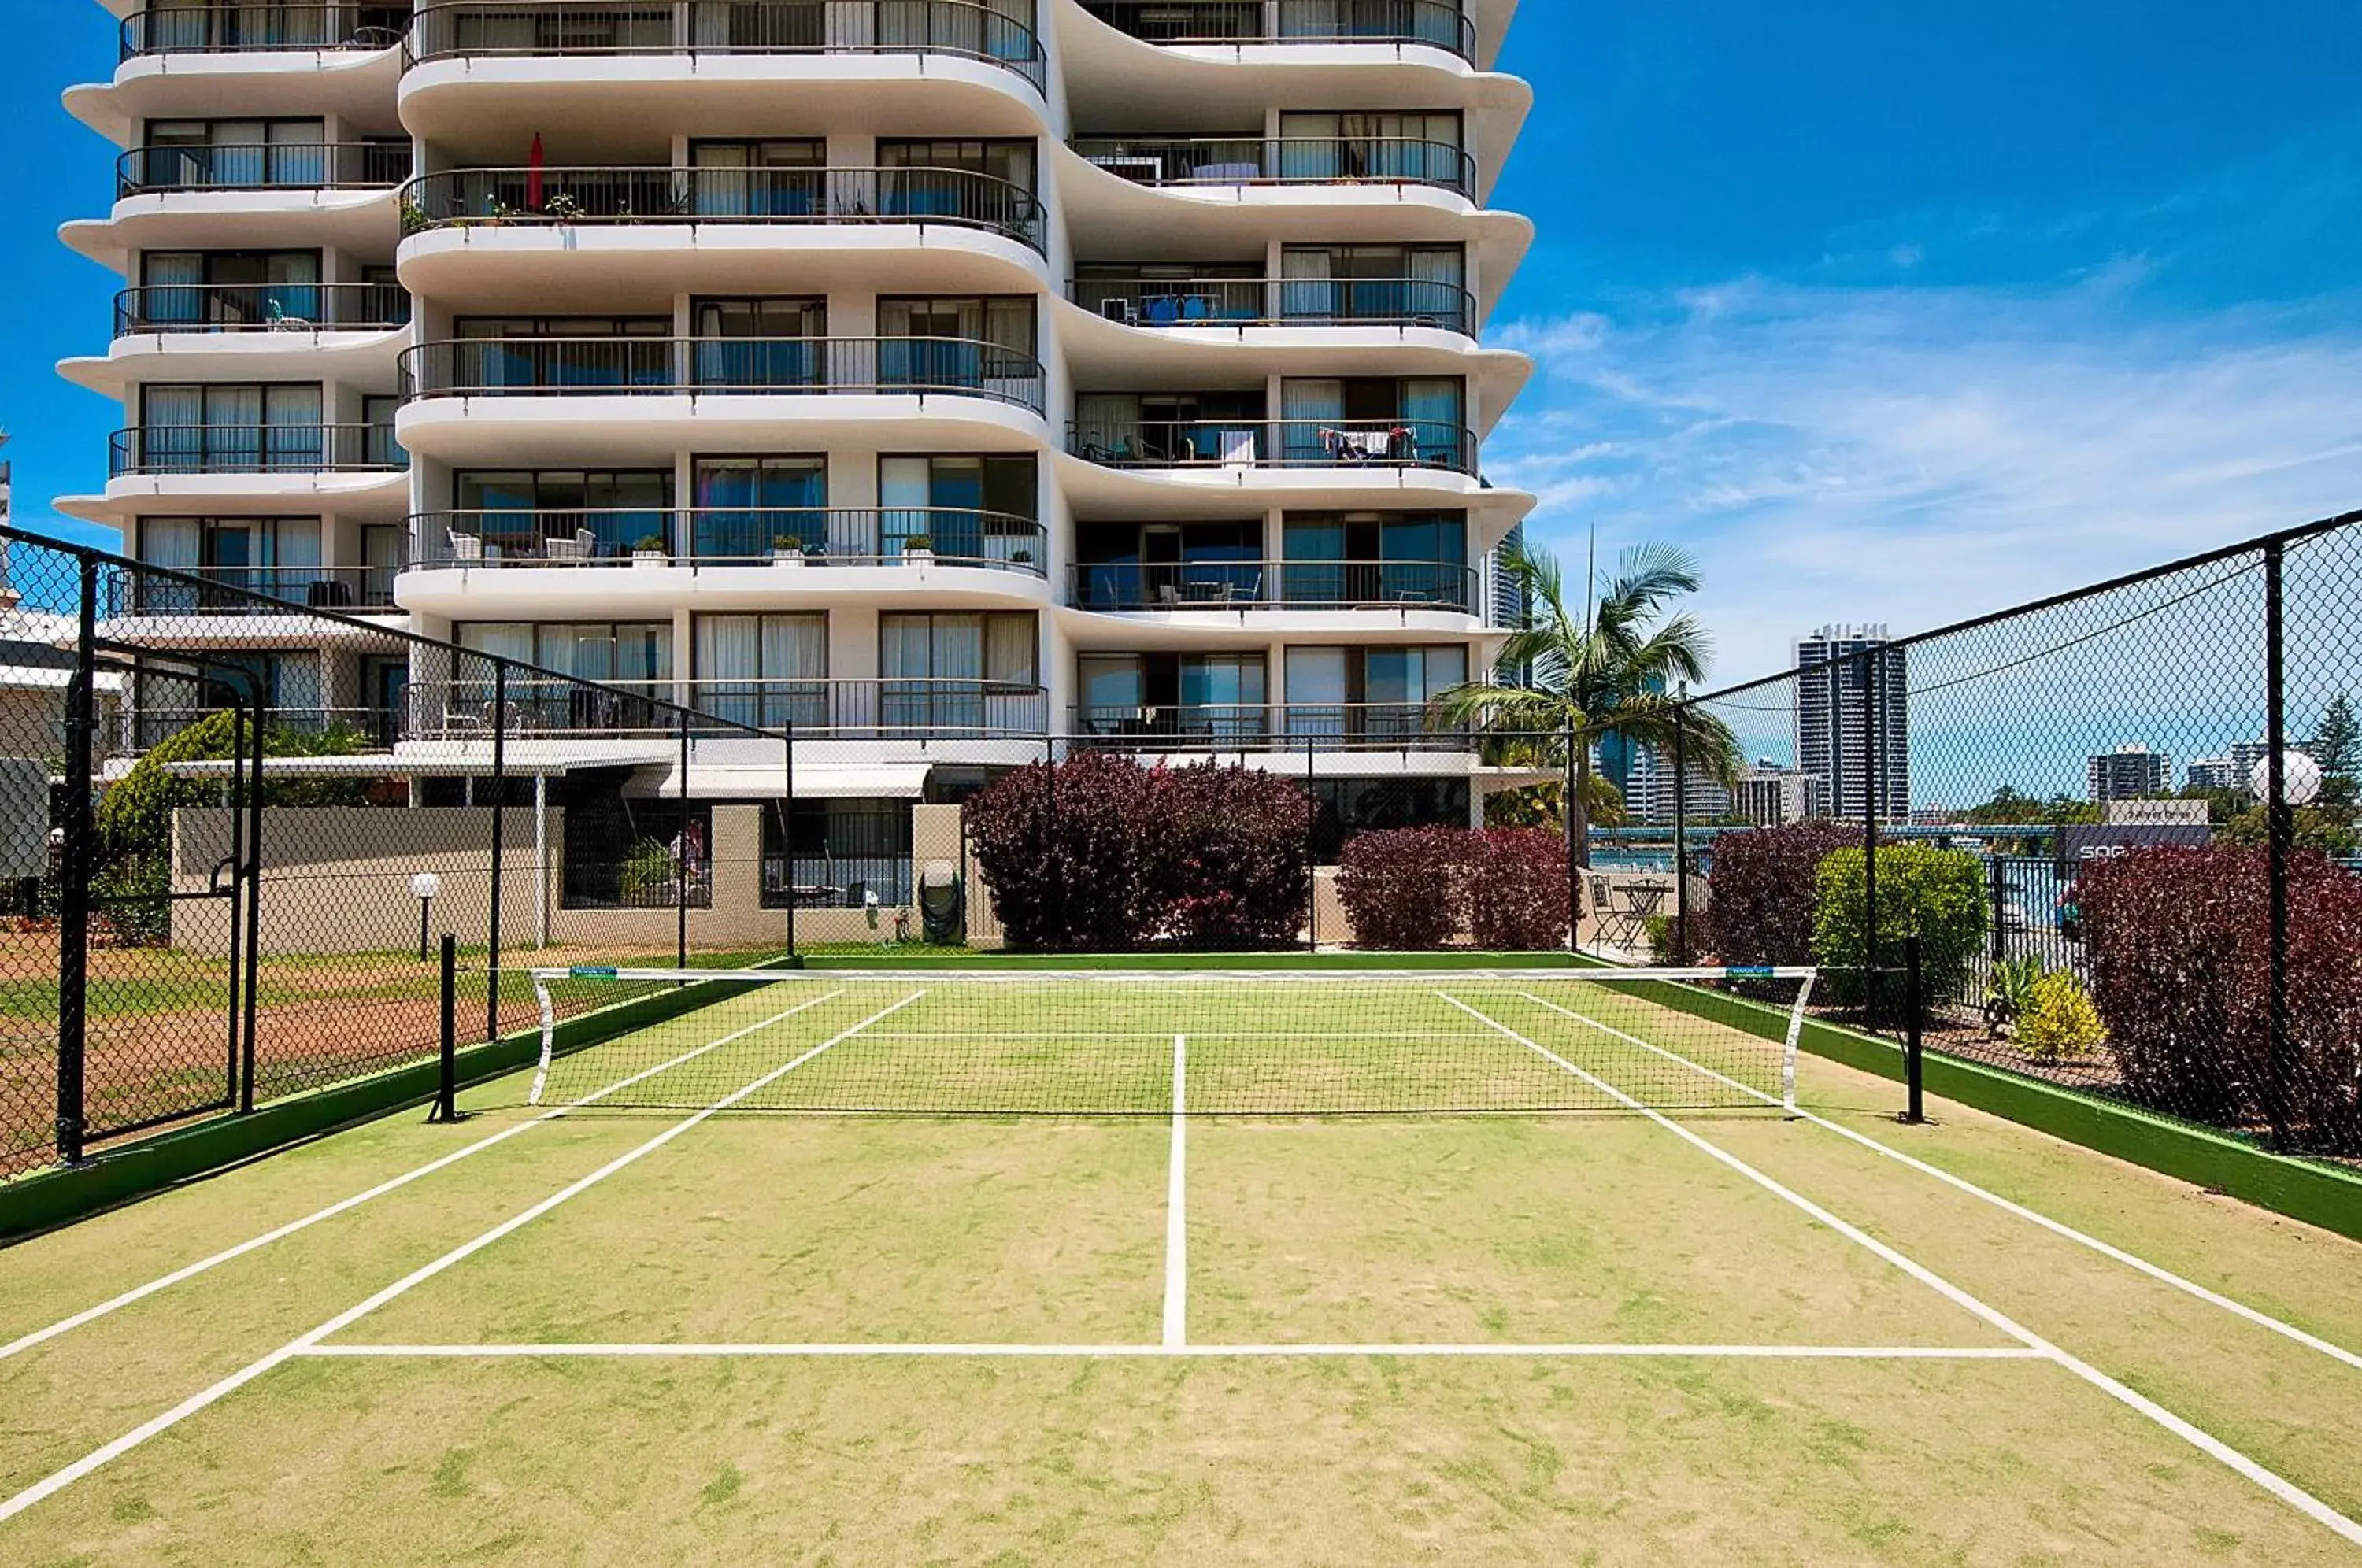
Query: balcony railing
[[306, 166], [1214, 443], [262, 307], [890, 709], [253, 590], [145, 728], [593, 367], [697, 537], [962, 29], [1282, 160], [498, 197], [1214, 303], [1439, 24], [1274, 585], [249, 30], [1300, 727], [253, 450]]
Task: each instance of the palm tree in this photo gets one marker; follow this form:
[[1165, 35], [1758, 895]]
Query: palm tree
[[1617, 670]]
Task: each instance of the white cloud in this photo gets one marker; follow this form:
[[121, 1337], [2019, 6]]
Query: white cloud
[[1918, 455]]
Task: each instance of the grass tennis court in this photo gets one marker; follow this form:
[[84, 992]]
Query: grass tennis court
[[921, 1268]]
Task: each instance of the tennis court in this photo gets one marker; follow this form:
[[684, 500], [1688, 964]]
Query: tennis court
[[1116, 1266]]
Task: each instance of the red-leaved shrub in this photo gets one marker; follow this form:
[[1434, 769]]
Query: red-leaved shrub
[[1759, 893], [1099, 854], [2178, 940], [1399, 886], [1515, 890]]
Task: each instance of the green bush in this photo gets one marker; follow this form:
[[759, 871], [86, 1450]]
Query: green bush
[[648, 875], [2060, 1023], [1937, 894]]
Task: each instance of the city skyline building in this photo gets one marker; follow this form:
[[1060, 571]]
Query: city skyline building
[[1852, 697]]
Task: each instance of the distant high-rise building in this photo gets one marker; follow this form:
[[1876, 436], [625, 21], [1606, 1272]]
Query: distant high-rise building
[[2235, 769], [1648, 793], [1768, 795], [2128, 773], [1510, 605], [1844, 673]]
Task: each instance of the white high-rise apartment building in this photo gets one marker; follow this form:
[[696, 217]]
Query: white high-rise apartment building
[[933, 376]]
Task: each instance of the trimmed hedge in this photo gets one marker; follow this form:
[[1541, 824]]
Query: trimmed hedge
[[1761, 890], [1936, 894], [1418, 890]]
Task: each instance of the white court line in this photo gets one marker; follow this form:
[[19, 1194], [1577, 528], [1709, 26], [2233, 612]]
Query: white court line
[[2205, 1442], [58, 1481], [1152, 1352], [2114, 1254], [1177, 1224], [190, 1271]]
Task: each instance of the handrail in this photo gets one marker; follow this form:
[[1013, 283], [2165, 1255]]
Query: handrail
[[695, 537], [596, 367], [459, 29], [875, 708], [1214, 442], [250, 29], [500, 197], [1195, 161], [253, 450], [1267, 726], [260, 307], [321, 166], [254, 590], [1438, 23], [1214, 303], [1274, 585]]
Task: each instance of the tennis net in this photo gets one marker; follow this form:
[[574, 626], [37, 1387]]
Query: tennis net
[[1136, 1042]]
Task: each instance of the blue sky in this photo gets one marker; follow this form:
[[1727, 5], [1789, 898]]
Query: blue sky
[[1889, 311]]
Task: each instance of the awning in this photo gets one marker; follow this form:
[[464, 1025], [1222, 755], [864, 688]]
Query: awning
[[891, 781], [470, 762]]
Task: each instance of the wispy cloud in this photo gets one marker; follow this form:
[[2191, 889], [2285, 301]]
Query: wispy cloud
[[1917, 454]]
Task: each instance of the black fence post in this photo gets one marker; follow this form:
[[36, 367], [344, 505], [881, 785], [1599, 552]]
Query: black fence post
[[235, 1066], [787, 834], [1915, 1061], [499, 817], [1872, 781], [1573, 868], [1681, 837], [2280, 836], [446, 1083], [682, 867], [254, 819], [1311, 851], [1997, 864], [75, 860]]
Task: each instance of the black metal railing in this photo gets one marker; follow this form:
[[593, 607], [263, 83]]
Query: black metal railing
[[260, 307], [961, 28], [323, 166], [1274, 585], [1439, 24], [868, 709], [1324, 727], [699, 537], [1282, 160], [253, 590], [1215, 443], [1212, 303], [494, 197], [249, 30], [144, 727], [830, 882], [543, 367], [253, 450]]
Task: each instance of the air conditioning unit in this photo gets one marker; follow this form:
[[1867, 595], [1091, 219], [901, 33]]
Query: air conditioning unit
[[1120, 311]]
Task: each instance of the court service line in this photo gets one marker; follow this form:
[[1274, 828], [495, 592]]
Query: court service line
[[2057, 1228], [2205, 1442], [1150, 1352], [1177, 1192], [190, 1271], [57, 1482]]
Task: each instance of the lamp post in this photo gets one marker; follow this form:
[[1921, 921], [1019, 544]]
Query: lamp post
[[424, 887]]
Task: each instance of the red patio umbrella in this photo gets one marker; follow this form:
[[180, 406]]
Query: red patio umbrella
[[533, 175]]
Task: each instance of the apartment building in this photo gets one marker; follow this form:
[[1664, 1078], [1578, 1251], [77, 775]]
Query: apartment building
[[931, 377], [1854, 719]]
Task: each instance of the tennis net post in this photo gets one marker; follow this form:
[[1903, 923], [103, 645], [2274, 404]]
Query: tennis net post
[[446, 1080], [1915, 1055]]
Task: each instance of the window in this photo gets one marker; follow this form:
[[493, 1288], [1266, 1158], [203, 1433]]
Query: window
[[227, 288], [1156, 566], [278, 558], [1414, 284], [1357, 559], [518, 509], [843, 851], [978, 673], [167, 701], [634, 655], [233, 429], [767, 671], [1415, 145], [560, 353], [761, 345], [1009, 161], [1156, 429], [1377, 693], [1344, 807], [758, 179], [234, 153], [960, 341], [1219, 696], [1370, 419], [974, 508], [745, 505]]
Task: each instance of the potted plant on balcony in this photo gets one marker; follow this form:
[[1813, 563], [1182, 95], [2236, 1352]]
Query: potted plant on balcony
[[787, 549], [1021, 557], [919, 550], [650, 552]]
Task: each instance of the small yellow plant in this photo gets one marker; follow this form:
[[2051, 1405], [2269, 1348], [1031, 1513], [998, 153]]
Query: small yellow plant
[[2059, 1022]]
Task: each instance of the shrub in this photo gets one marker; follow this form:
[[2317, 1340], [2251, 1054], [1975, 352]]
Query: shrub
[[1936, 894], [1399, 886], [2179, 940], [2059, 1022], [1230, 844], [2009, 992], [648, 875], [1514, 888], [1760, 904]]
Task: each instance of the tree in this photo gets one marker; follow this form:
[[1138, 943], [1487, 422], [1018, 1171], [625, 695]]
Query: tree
[[1614, 666], [2338, 747]]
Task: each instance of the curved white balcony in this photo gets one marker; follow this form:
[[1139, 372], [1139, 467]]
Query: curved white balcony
[[277, 469], [1232, 26], [914, 709], [349, 333], [516, 67], [337, 195], [712, 538], [230, 61], [498, 399], [505, 237]]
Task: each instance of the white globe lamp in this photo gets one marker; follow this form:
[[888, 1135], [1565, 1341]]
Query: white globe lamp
[[2299, 778]]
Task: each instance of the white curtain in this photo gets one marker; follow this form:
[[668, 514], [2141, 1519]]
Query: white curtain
[[295, 542], [729, 647], [795, 647], [905, 647], [1308, 291], [1010, 644], [298, 685], [1317, 691]]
